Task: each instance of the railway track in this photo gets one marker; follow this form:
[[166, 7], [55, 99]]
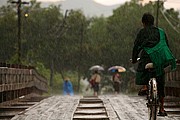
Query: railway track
[[90, 108]]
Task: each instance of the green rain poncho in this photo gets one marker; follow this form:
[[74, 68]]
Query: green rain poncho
[[160, 54]]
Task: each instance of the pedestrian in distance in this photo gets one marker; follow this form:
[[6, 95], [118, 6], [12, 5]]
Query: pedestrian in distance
[[95, 81], [116, 78], [151, 45], [68, 87]]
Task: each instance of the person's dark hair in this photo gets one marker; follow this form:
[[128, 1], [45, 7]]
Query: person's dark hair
[[148, 19]]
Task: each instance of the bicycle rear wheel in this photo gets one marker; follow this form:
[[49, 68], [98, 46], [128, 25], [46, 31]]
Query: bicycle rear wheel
[[153, 100]]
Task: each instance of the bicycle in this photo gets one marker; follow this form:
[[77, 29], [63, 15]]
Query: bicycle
[[153, 102], [152, 96]]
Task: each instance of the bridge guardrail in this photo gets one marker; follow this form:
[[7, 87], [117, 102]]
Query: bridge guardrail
[[16, 82], [172, 85]]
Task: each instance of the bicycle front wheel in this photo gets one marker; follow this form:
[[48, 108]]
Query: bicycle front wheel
[[153, 103], [153, 110]]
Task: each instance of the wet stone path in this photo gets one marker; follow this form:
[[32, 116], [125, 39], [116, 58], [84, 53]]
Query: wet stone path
[[120, 107]]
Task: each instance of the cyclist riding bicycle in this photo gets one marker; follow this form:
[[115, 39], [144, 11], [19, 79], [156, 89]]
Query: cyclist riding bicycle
[[152, 45]]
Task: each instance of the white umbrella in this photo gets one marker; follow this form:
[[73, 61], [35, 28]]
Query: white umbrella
[[96, 67], [118, 68]]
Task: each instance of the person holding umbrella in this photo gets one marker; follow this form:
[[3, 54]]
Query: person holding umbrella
[[116, 78], [95, 78], [94, 81]]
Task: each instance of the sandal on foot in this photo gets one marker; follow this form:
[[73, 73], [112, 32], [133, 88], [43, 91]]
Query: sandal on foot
[[142, 92], [162, 113]]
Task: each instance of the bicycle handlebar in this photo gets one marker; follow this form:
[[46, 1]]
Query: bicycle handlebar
[[137, 59]]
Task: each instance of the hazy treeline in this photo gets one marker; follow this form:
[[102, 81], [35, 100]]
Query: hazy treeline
[[73, 42]]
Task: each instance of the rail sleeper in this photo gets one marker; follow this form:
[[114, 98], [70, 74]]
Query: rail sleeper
[[90, 108]]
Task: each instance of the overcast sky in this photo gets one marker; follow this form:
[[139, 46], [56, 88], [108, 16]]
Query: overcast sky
[[103, 2], [168, 3]]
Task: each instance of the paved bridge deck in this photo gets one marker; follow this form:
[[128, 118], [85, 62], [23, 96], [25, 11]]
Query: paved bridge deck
[[120, 107]]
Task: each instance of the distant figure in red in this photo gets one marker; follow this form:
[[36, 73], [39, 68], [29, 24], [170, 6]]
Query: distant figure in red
[[116, 81]]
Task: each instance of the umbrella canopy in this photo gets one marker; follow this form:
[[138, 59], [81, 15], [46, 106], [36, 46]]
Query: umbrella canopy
[[118, 68], [96, 67]]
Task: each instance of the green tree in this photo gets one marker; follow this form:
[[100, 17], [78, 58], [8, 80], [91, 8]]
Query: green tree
[[8, 37]]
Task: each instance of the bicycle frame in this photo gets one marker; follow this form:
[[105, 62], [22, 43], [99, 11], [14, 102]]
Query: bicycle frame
[[153, 102]]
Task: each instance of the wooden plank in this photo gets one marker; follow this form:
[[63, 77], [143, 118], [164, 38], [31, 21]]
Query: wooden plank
[[175, 84]]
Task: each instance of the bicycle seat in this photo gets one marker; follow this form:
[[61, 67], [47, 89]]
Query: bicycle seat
[[149, 66]]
